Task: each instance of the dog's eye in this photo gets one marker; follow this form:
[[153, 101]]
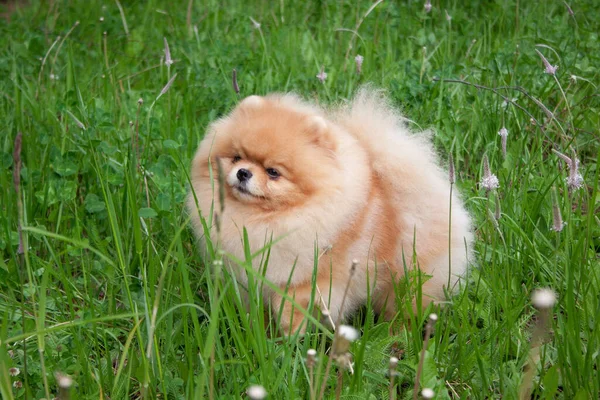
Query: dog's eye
[[236, 159], [273, 173]]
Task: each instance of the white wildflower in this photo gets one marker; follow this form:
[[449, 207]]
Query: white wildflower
[[543, 299], [256, 392], [344, 335], [64, 381], [348, 333]]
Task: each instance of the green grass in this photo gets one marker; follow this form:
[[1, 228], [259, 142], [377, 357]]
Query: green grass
[[107, 242]]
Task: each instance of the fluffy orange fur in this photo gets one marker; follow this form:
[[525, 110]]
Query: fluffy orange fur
[[352, 179]]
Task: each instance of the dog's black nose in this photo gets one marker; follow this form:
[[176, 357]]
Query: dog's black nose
[[243, 174]]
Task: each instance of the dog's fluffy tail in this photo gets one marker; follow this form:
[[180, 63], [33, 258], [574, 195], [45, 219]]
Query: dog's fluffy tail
[[384, 132], [409, 170]]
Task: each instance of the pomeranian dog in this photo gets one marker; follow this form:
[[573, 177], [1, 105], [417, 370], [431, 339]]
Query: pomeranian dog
[[352, 180]]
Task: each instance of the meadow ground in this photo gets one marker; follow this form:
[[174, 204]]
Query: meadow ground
[[110, 289]]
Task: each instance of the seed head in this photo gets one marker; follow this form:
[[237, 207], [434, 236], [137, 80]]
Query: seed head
[[311, 357], [569, 9], [348, 333], [448, 17], [451, 173], [548, 68], [543, 299], [563, 157], [168, 59], [557, 221], [503, 133], [344, 361], [64, 381], [77, 121], [345, 335], [255, 23], [489, 180], [497, 210], [574, 180], [322, 75], [427, 393], [427, 6], [359, 62], [167, 86], [393, 362], [256, 392]]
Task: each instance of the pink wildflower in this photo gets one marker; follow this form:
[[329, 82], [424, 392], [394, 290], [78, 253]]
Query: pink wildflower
[[548, 68], [359, 62], [322, 75], [489, 180], [427, 6], [574, 180]]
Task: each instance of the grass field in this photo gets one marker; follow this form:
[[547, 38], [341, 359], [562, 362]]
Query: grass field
[[110, 289]]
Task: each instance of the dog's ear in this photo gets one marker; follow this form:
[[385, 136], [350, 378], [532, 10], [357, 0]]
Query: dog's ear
[[252, 102], [319, 130]]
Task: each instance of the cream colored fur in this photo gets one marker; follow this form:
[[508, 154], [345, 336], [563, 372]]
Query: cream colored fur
[[383, 181]]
